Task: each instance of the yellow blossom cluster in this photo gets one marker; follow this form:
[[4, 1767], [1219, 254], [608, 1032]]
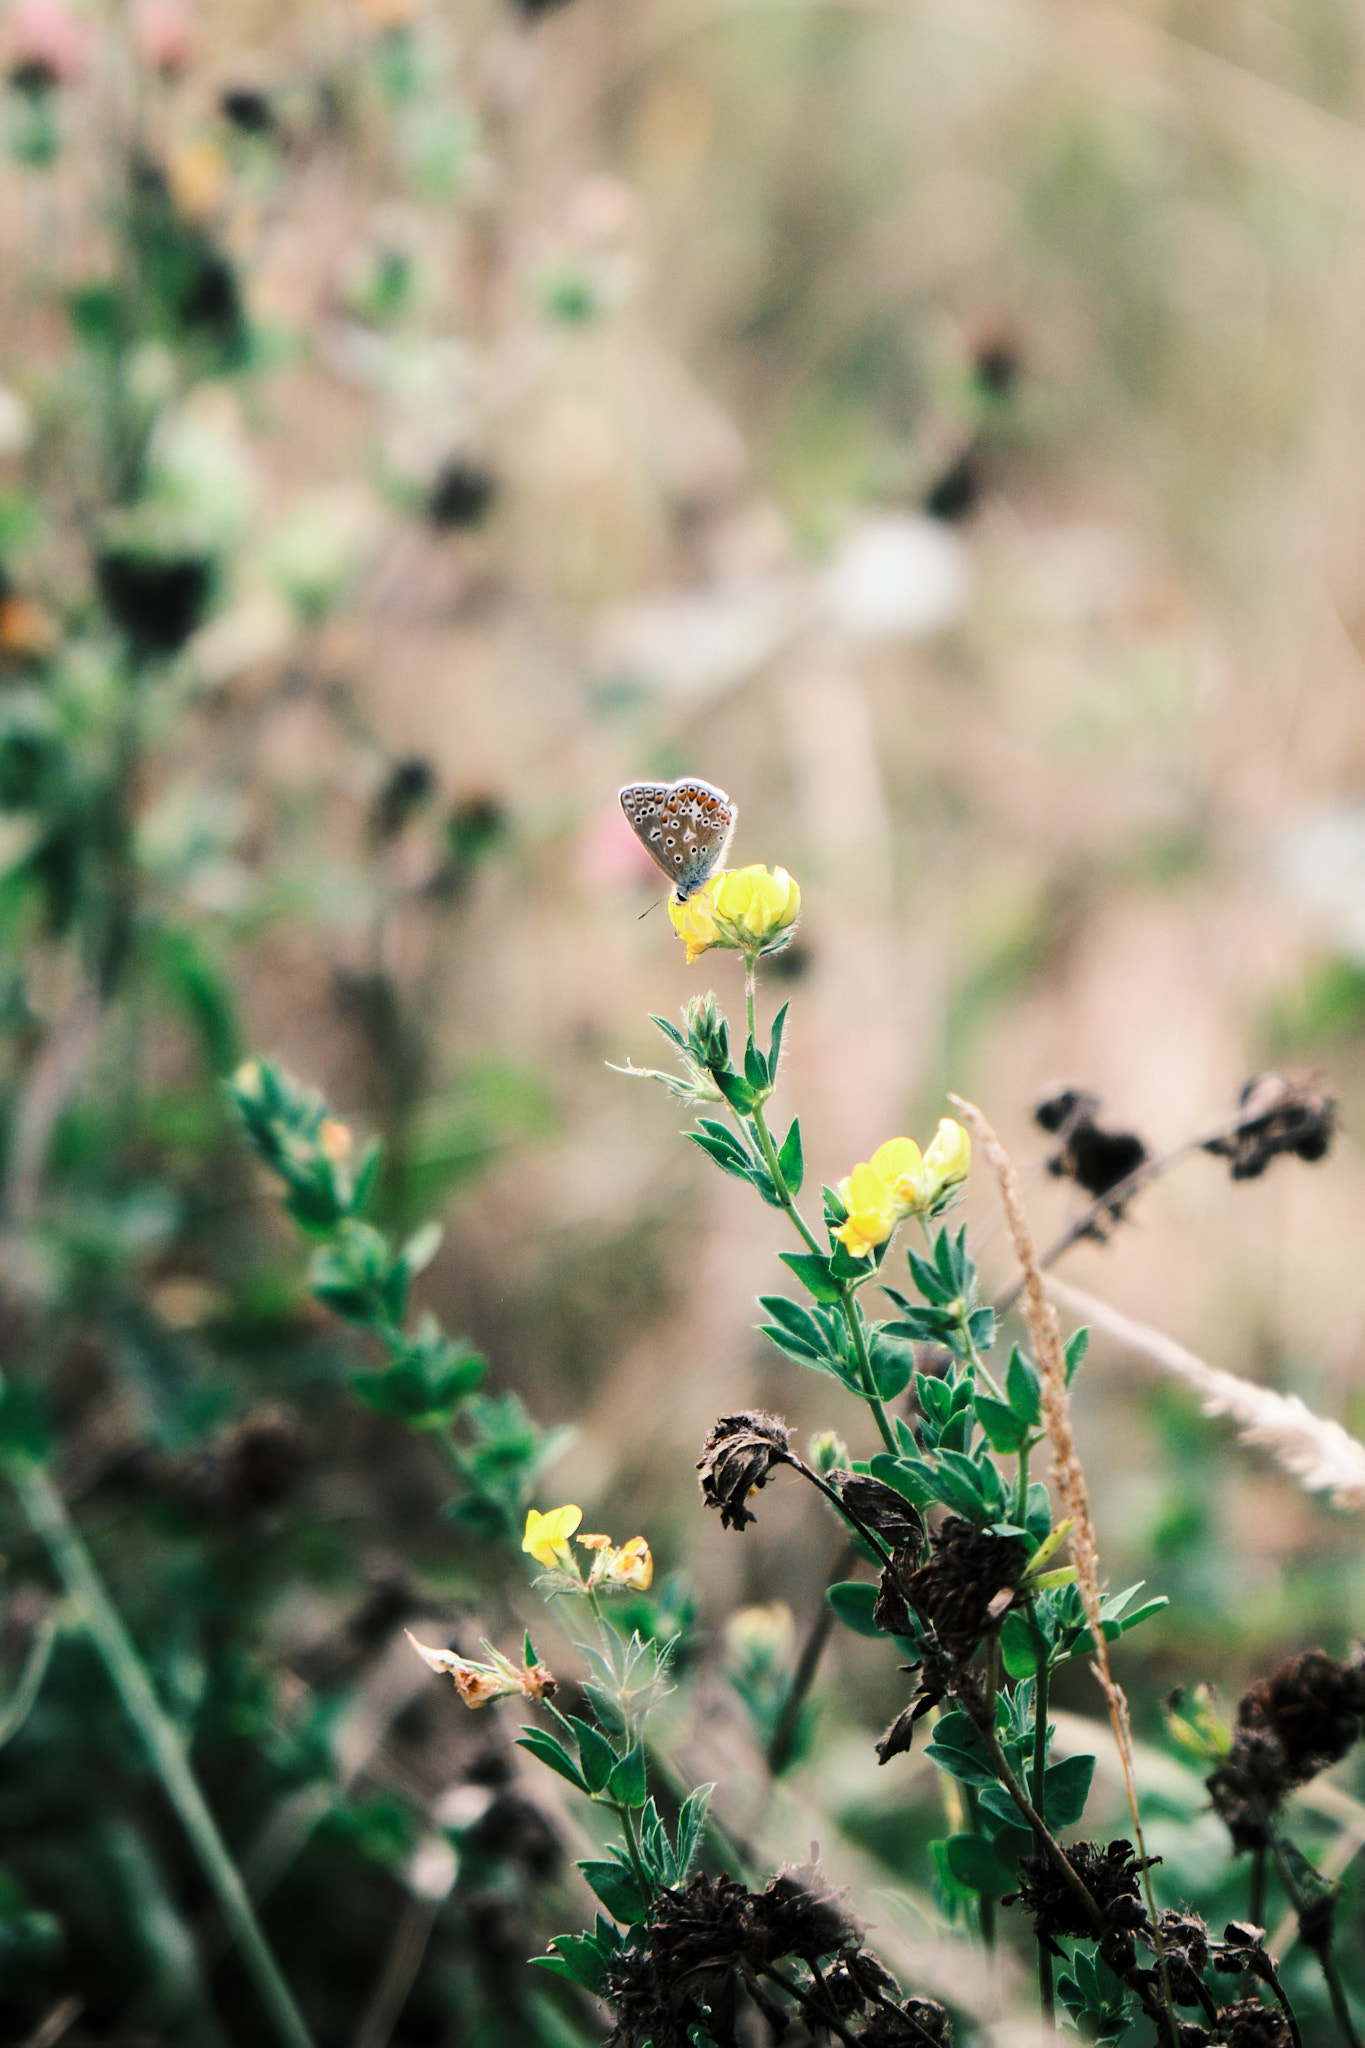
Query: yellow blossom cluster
[[547, 1541], [749, 910], [900, 1181]]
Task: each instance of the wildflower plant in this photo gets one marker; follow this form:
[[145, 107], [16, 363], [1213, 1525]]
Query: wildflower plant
[[980, 1590]]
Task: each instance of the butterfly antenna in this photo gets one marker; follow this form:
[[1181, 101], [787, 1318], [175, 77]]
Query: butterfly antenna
[[645, 912]]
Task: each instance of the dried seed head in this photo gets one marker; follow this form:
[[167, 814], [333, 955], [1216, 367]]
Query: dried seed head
[[1249, 2024], [1291, 1725], [957, 1593], [1280, 1113], [736, 1459], [1110, 1874], [1185, 1942]]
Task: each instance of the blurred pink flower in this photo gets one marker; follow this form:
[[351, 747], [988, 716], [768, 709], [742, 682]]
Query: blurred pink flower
[[610, 855], [164, 33], [47, 44]]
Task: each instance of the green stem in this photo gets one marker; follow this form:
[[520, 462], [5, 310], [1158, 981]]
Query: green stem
[[1256, 1892], [853, 1317], [779, 1181], [1021, 1485], [47, 1516], [1038, 1777]]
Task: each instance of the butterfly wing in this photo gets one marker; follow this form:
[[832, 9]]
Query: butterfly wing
[[685, 827]]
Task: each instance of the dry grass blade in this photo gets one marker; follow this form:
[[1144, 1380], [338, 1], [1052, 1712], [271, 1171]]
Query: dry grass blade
[[1319, 1453], [1046, 1338]]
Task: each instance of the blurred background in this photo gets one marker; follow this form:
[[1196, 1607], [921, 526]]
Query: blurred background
[[943, 427]]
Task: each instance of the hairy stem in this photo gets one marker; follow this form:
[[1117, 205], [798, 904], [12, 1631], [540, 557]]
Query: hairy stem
[[49, 1520]]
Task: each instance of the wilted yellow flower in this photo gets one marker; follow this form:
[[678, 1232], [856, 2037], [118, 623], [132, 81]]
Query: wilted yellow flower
[[477, 1684], [632, 1565], [749, 910], [547, 1536], [898, 1181]]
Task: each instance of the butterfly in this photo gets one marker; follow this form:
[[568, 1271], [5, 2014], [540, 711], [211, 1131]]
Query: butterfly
[[685, 826]]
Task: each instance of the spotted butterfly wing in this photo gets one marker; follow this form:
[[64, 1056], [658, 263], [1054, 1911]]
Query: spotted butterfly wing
[[684, 826]]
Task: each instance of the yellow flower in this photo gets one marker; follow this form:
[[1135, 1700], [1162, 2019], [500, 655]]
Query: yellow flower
[[547, 1535], [632, 1565], [695, 923], [873, 1212], [898, 1181], [750, 910], [949, 1158]]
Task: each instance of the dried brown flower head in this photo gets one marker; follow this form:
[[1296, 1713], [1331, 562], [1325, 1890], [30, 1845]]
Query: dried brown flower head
[[1095, 1157], [736, 1459], [1112, 1876], [1249, 2024], [1185, 1944], [1291, 1725], [252, 1468], [967, 1587], [918, 2023], [1280, 1113]]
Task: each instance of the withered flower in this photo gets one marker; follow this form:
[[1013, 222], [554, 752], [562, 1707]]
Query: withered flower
[[801, 1916], [1110, 1874], [1280, 1113], [1249, 2024], [1096, 1158], [918, 2023], [1291, 1725], [1185, 1942], [887, 1513], [736, 1460], [967, 1587]]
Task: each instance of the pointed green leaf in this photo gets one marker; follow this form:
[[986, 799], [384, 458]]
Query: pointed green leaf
[[790, 1159], [548, 1751], [853, 1601], [627, 1784], [813, 1272], [1024, 1389]]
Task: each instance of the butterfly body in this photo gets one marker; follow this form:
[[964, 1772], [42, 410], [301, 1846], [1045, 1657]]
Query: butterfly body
[[685, 827]]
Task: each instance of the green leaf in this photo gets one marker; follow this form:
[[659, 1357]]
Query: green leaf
[[910, 1476], [616, 1887], [954, 1891], [813, 1271], [1077, 1344], [1005, 1431], [853, 1601], [727, 1157], [797, 1321], [789, 1156], [691, 1826], [1066, 1787], [580, 1959], [959, 1483], [735, 1089], [844, 1266], [595, 1753], [627, 1784], [1038, 1511], [981, 1328], [962, 1764], [974, 1863], [1024, 1388], [421, 1248], [1017, 1647], [930, 1282], [755, 1068], [775, 1042], [893, 1361], [548, 1751]]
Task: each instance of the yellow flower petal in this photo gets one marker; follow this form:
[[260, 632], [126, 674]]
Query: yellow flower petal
[[546, 1535]]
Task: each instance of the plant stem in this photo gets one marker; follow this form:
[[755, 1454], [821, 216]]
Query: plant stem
[[853, 1317], [47, 1516], [1256, 1889], [1336, 1990], [783, 1738], [1040, 1704], [854, 1521], [779, 1181]]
